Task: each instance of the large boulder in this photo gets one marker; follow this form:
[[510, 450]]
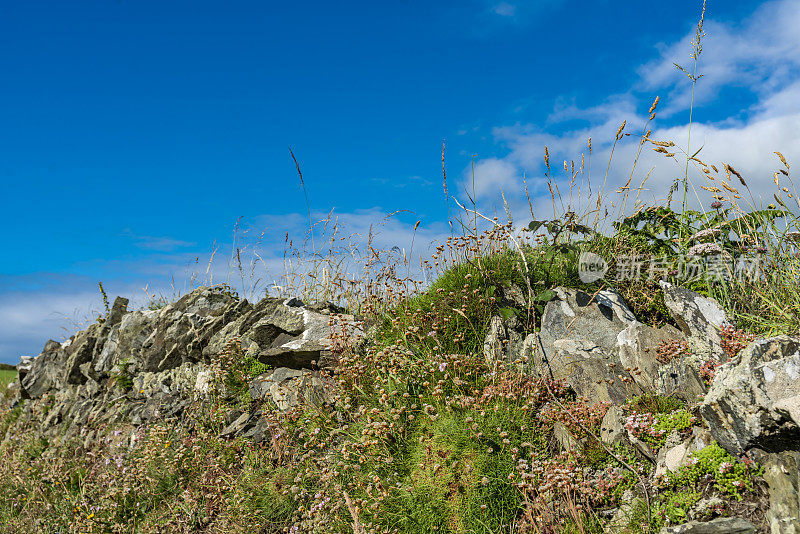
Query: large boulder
[[578, 343], [754, 400], [638, 345], [595, 344], [44, 372], [286, 333], [699, 317]]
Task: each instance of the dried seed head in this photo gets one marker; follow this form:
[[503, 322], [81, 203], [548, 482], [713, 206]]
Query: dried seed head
[[654, 106], [730, 170], [619, 130], [729, 188], [783, 160]]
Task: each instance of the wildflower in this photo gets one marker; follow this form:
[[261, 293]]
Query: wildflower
[[725, 467], [442, 367], [705, 249], [716, 205], [703, 234]]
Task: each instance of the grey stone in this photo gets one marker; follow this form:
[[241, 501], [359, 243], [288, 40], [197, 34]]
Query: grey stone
[[45, 372], [677, 453], [167, 353], [578, 343], [623, 515], [515, 294], [237, 427], [722, 525], [612, 428], [699, 317], [289, 387], [118, 310], [638, 344], [493, 349], [705, 508], [754, 401], [782, 474]]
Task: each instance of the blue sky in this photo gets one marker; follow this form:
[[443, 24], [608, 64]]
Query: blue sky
[[136, 134]]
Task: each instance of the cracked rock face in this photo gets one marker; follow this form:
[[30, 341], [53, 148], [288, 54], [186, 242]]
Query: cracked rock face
[[288, 387], [578, 342], [591, 340], [700, 318], [754, 400], [165, 354]]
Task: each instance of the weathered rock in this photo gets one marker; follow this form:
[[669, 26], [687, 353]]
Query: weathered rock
[[149, 364], [578, 343], [699, 317], [782, 474], [252, 426], [623, 515], [579, 315], [706, 508], [642, 448], [125, 341], [676, 453], [637, 351], [722, 525], [237, 427], [283, 333], [493, 346], [45, 371], [612, 428], [754, 400], [118, 310], [288, 387], [183, 328], [514, 294], [80, 352]]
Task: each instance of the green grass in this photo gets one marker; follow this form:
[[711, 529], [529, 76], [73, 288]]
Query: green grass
[[6, 377]]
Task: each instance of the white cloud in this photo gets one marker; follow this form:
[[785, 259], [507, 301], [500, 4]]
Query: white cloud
[[35, 308], [490, 176], [504, 9], [760, 56]]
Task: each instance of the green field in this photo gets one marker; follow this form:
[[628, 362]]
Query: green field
[[6, 377]]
